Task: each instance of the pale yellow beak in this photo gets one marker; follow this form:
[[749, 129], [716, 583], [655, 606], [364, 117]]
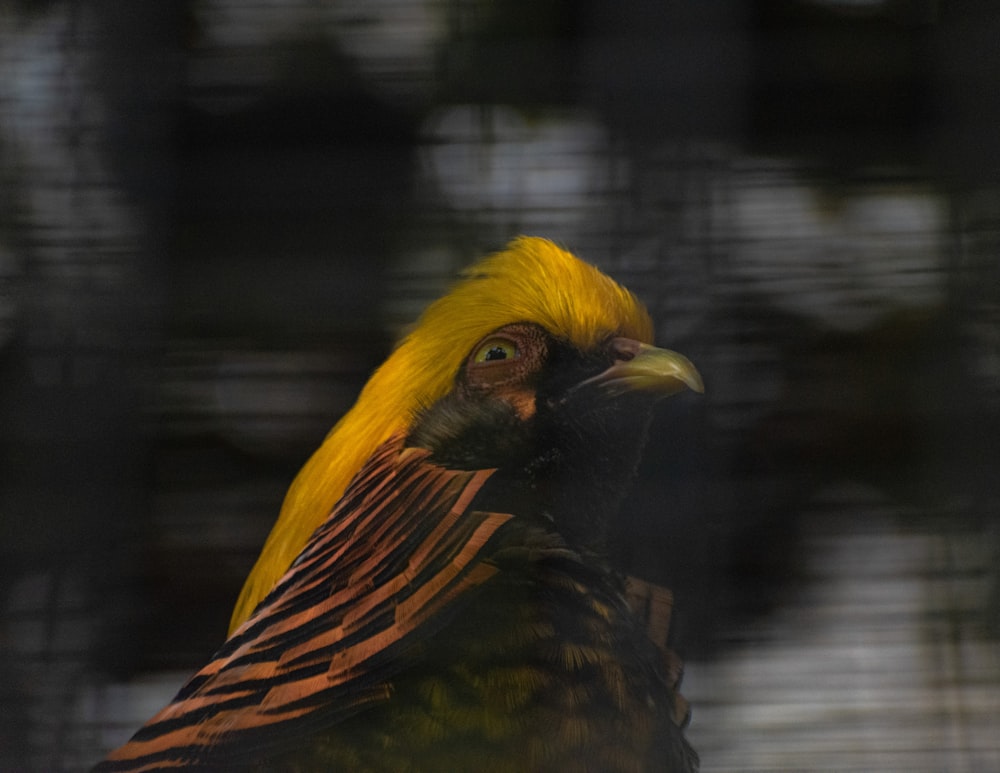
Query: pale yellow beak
[[645, 368]]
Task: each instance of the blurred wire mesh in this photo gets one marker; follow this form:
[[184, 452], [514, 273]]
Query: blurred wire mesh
[[217, 215]]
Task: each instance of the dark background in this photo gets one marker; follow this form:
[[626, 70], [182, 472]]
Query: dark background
[[217, 216]]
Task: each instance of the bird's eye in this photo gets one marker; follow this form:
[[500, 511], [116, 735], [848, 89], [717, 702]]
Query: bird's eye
[[496, 349]]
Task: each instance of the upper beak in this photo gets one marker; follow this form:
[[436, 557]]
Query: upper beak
[[640, 367]]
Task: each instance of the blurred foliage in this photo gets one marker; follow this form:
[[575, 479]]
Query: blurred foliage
[[217, 215]]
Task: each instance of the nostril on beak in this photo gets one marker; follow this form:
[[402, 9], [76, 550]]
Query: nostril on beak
[[624, 349]]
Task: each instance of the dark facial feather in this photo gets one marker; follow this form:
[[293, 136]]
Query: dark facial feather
[[566, 454]]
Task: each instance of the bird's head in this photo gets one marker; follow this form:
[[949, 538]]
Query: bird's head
[[563, 424], [531, 346]]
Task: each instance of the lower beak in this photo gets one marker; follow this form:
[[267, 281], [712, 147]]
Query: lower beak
[[645, 368]]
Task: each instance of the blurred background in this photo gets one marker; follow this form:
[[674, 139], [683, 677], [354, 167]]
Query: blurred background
[[217, 215]]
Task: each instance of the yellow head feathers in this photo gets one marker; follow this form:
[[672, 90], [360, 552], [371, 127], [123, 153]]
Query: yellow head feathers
[[533, 280]]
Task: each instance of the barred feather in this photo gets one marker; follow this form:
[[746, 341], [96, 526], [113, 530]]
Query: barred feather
[[379, 573]]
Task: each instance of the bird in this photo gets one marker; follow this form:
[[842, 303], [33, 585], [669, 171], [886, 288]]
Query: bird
[[436, 593]]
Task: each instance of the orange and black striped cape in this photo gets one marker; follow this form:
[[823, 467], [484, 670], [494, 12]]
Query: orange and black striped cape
[[397, 557], [397, 551]]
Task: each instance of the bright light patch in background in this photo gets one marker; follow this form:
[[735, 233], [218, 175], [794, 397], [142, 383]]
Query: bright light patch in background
[[870, 668], [842, 259], [541, 170], [392, 43]]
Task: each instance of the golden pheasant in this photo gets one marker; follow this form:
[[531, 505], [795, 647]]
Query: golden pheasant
[[435, 594]]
